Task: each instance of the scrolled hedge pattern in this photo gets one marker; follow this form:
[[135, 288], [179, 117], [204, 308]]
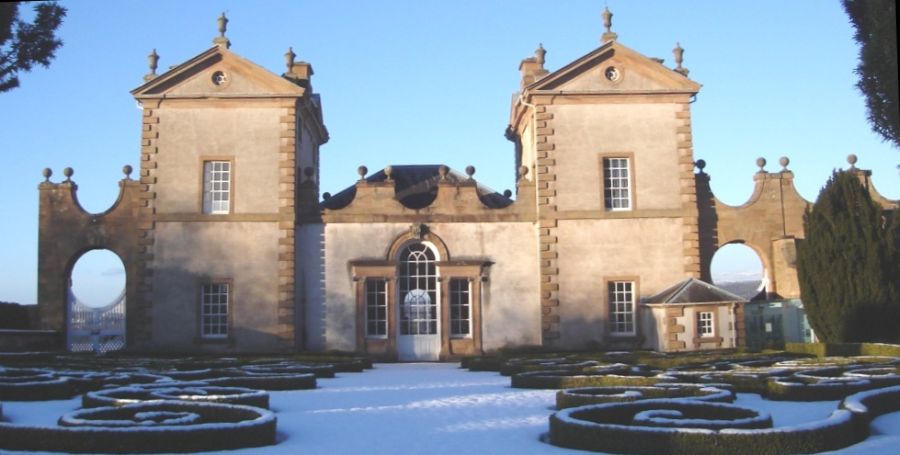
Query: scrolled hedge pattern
[[158, 426], [686, 426], [569, 398], [193, 392]]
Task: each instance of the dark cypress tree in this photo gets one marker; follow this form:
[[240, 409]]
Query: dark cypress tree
[[876, 32], [847, 265]]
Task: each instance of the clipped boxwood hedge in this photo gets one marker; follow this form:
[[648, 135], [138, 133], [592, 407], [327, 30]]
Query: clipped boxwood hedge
[[116, 429], [607, 428], [570, 398], [567, 380]]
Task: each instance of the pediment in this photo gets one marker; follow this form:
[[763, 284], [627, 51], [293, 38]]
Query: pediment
[[220, 73], [614, 68]]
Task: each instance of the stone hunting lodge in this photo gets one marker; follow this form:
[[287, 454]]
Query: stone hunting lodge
[[229, 246]]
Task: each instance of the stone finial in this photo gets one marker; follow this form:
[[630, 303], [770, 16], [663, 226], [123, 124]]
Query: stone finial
[[608, 35], [222, 40], [388, 173], [470, 171], [761, 162], [539, 54], [523, 171], [784, 161], [308, 171], [127, 170], [326, 196], [679, 58], [47, 173], [851, 159], [289, 57], [362, 171], [152, 62], [68, 172], [442, 171], [507, 193], [701, 164]]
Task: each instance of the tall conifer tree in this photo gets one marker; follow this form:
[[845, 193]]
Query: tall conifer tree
[[847, 265]]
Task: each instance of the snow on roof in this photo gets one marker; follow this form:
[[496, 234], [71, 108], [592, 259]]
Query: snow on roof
[[693, 290]]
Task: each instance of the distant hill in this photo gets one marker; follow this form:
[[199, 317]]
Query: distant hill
[[745, 289]]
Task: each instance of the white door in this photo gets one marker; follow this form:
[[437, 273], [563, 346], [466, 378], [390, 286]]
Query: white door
[[419, 338], [418, 328]]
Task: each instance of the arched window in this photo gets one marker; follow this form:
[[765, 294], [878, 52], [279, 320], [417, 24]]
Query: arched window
[[418, 290]]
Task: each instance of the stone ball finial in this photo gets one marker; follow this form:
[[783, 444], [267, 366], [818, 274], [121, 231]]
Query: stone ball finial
[[68, 172], [701, 164], [308, 171], [289, 57], [470, 171], [362, 171], [851, 158], [326, 196], [442, 171], [388, 173], [127, 170], [523, 171], [761, 162], [507, 193], [784, 161], [47, 173]]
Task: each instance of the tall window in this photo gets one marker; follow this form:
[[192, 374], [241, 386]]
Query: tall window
[[376, 307], [616, 184], [621, 307], [705, 324], [214, 299], [216, 187], [460, 305], [418, 290]]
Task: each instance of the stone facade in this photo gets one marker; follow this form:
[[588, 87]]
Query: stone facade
[[228, 246]]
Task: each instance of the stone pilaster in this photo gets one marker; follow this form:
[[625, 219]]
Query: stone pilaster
[[140, 326], [687, 184], [287, 215], [545, 180]]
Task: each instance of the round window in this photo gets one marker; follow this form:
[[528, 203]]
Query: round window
[[219, 78], [612, 73]]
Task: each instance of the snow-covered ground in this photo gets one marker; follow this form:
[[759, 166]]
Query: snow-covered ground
[[436, 408]]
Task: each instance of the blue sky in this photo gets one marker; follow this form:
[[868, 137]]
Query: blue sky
[[430, 82]]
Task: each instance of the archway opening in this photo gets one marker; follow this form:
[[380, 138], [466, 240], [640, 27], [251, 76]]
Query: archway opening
[[95, 306], [738, 268], [98, 278]]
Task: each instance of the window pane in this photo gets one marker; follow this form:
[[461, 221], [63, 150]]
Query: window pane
[[214, 310], [216, 187], [621, 307], [616, 183]]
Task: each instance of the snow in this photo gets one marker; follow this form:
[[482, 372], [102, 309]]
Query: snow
[[439, 408]]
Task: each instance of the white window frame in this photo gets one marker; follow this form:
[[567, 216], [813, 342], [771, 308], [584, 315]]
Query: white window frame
[[460, 308], [376, 299], [622, 305], [215, 302], [617, 194], [706, 326], [217, 183]]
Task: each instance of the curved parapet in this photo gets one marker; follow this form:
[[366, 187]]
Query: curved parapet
[[66, 231], [770, 222], [409, 193]]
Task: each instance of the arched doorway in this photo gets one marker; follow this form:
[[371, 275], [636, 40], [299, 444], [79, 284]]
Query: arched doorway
[[418, 323], [95, 304], [738, 269]]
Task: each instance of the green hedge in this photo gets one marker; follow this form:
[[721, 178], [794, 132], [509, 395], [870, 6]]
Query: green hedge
[[194, 393], [566, 380], [570, 398], [222, 427], [606, 428], [844, 349], [870, 404]]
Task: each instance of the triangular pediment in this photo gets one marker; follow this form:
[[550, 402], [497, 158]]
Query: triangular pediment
[[220, 73], [614, 68]]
